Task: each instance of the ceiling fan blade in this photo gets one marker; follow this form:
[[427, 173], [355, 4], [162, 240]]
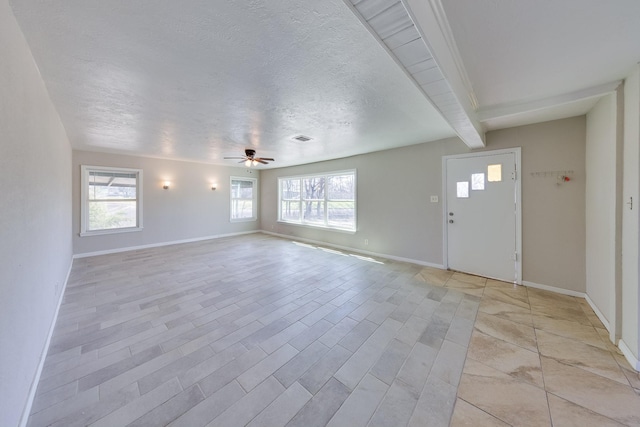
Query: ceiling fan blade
[[242, 161], [233, 158], [261, 161], [269, 159]]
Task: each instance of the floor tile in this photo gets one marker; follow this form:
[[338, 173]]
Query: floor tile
[[506, 330], [588, 390], [574, 330], [250, 405], [435, 405], [508, 358], [503, 396], [583, 356], [321, 408], [467, 415], [284, 408], [361, 403], [396, 406], [503, 310], [565, 413]]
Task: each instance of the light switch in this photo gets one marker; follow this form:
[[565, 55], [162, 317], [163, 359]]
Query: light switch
[[434, 199]]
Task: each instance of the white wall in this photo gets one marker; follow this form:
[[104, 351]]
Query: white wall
[[35, 217], [602, 206], [396, 216], [630, 217], [188, 210]]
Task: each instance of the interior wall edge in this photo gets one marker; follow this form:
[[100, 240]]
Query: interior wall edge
[[554, 289], [356, 250], [628, 354], [596, 310], [156, 245], [36, 379]]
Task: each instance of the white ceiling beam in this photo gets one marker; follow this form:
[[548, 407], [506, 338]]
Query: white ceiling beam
[[432, 24], [513, 109]]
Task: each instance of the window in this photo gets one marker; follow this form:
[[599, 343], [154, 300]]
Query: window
[[111, 200], [494, 173], [462, 189], [243, 199], [477, 181], [327, 200]]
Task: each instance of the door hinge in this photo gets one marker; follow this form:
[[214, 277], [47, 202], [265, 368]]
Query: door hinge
[[515, 256], [514, 175]]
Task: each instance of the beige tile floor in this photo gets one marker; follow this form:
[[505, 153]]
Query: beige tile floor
[[537, 358]]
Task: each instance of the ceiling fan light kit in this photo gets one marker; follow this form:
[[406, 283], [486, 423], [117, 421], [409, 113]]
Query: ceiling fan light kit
[[249, 159]]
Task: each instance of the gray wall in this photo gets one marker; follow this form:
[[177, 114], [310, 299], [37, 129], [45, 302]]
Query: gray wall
[[553, 216], [35, 217], [396, 216], [394, 211], [602, 205], [188, 210], [631, 217]]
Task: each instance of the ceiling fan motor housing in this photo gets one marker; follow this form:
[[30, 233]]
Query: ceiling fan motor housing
[[250, 152]]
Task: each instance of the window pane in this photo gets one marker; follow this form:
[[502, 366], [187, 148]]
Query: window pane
[[341, 187], [342, 214], [290, 210], [313, 188], [494, 173], [109, 215], [477, 181], [462, 189], [112, 185], [290, 189], [313, 212], [241, 189], [241, 209]]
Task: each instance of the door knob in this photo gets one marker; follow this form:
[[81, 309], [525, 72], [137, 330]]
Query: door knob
[[450, 213], [450, 221]]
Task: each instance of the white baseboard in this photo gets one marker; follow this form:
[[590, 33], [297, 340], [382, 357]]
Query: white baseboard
[[596, 310], [554, 289], [357, 251], [34, 385], [628, 354], [156, 245]]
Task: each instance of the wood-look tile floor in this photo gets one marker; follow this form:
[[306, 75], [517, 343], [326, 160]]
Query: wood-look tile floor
[[260, 331], [253, 330]]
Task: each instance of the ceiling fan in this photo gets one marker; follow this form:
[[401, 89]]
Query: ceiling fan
[[250, 158]]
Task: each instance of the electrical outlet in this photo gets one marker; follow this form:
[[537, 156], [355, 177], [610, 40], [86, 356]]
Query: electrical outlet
[[434, 199], [366, 242]]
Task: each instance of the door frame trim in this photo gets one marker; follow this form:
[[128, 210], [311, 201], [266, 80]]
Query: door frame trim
[[445, 238]]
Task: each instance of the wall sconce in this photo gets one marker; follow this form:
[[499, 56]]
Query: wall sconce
[[214, 186], [166, 185]]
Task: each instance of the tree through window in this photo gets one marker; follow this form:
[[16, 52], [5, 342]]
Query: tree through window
[[327, 200]]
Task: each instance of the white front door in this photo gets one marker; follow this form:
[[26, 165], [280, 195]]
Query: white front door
[[482, 214]]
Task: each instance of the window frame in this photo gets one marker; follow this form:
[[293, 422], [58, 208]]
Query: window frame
[[85, 170], [326, 225], [254, 199]]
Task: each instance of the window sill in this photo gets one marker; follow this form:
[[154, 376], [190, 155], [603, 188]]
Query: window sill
[[112, 231], [243, 219], [319, 227]]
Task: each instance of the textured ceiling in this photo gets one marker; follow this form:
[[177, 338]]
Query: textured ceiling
[[196, 80]]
